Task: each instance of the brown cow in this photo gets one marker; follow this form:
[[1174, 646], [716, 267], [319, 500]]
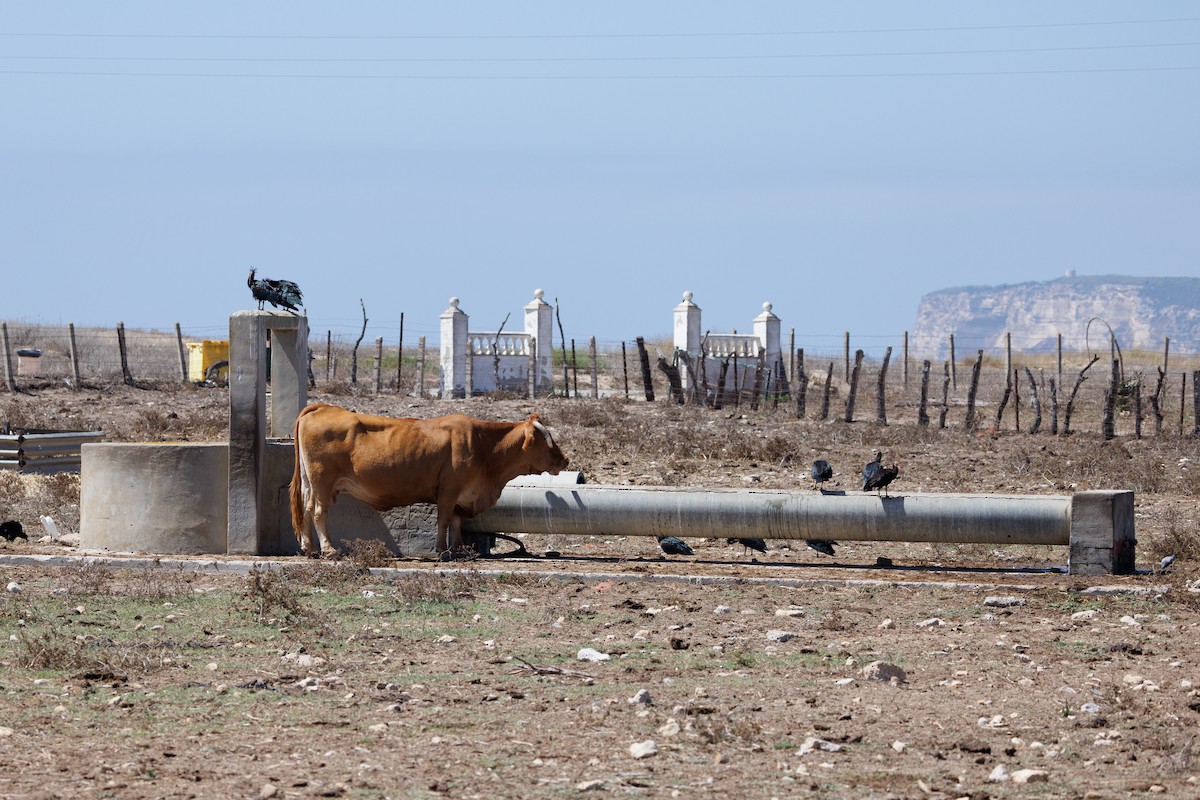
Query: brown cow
[[457, 462]]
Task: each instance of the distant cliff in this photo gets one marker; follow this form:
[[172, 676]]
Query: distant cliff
[[1141, 311]]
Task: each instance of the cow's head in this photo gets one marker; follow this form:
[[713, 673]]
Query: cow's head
[[544, 452]]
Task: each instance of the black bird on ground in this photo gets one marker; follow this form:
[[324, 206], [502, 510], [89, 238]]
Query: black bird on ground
[[821, 472], [12, 530], [279, 293], [876, 476], [674, 546], [821, 545], [750, 544]]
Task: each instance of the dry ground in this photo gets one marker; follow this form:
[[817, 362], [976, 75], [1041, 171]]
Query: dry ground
[[168, 684]]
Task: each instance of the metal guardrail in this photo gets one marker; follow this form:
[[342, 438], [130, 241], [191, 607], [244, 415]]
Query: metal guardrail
[[44, 451]]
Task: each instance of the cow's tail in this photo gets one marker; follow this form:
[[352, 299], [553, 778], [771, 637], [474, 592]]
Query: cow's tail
[[299, 478]]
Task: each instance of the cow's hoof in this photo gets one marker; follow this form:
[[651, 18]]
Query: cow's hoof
[[445, 555], [332, 555]]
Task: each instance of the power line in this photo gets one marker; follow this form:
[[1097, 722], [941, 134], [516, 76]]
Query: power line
[[588, 59], [666, 35], [771, 76]]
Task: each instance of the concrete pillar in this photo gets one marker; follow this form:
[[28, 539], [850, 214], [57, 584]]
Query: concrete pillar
[[289, 371], [539, 326], [1102, 539], [766, 328], [454, 351], [248, 499], [687, 334]]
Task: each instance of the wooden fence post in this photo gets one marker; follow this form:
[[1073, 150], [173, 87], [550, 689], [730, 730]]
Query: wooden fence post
[[421, 366], [596, 370], [128, 376], [378, 364], [922, 413], [74, 356], [792, 355], [9, 380], [945, 395], [881, 396], [1108, 427], [328, 356], [801, 379], [953, 365], [904, 371], [971, 392], [1058, 356], [644, 358], [1166, 351], [853, 393], [574, 370], [183, 359], [400, 355], [846, 354], [825, 397], [1035, 402]]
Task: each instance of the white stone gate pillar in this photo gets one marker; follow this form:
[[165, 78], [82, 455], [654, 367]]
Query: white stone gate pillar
[[766, 328], [687, 334], [454, 351], [539, 325]]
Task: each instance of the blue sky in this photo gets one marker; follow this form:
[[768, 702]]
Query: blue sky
[[838, 159]]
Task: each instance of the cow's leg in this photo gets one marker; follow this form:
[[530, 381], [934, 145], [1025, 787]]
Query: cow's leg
[[321, 523], [455, 531], [445, 518]]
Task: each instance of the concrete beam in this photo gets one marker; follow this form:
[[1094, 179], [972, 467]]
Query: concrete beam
[[1088, 520]]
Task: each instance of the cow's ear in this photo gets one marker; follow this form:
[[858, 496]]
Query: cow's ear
[[530, 429]]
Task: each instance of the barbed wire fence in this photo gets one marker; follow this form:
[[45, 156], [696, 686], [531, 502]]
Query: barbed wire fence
[[818, 376]]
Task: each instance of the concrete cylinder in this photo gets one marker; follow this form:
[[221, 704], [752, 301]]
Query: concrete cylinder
[[608, 510], [154, 497]]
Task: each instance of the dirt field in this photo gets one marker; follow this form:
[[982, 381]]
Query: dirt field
[[328, 680]]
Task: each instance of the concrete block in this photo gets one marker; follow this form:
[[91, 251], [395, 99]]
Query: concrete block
[[1102, 533], [153, 498]]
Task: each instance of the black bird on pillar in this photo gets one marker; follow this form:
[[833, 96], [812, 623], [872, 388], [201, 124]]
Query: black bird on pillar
[[279, 293]]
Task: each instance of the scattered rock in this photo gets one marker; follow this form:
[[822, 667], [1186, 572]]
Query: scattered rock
[[780, 636], [268, 791], [644, 749], [812, 744], [642, 697], [883, 671], [1030, 776], [794, 611], [589, 654], [669, 728], [887, 625], [1004, 602], [590, 786], [13, 586], [999, 774], [934, 622], [1086, 614], [722, 610]]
